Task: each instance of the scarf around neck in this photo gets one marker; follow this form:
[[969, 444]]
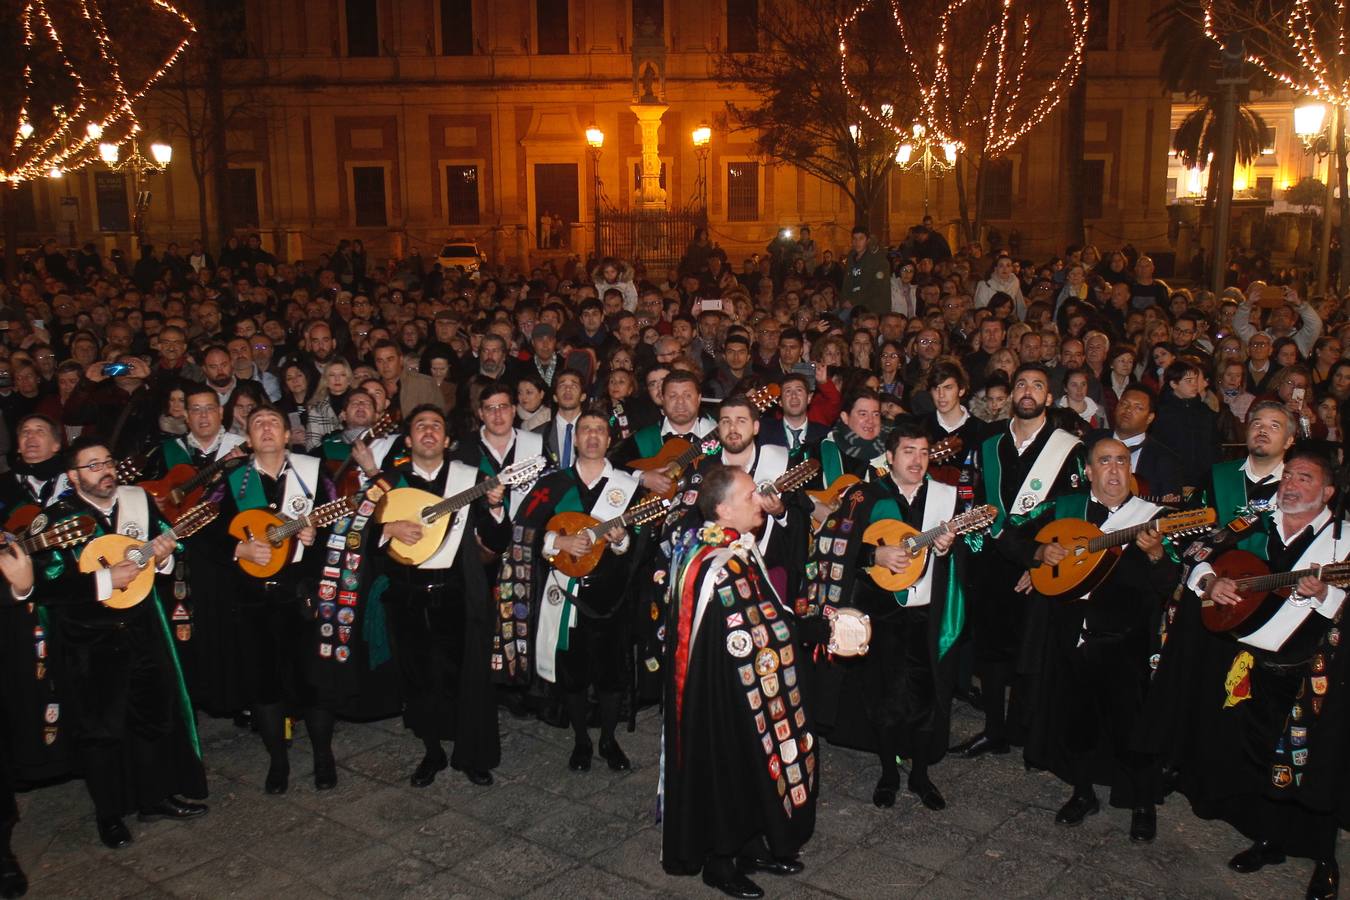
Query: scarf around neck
[[857, 447]]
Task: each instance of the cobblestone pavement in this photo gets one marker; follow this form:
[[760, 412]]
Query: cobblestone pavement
[[544, 831]]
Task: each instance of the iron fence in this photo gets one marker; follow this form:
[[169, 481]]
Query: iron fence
[[655, 238]]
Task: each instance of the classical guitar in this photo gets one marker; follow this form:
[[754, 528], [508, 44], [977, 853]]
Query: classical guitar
[[346, 479], [279, 531], [1255, 582], [831, 496], [676, 454], [893, 532], [63, 534], [1093, 554], [566, 524], [182, 486], [436, 513], [106, 551]]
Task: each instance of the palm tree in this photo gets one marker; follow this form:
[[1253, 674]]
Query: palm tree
[[1197, 137]]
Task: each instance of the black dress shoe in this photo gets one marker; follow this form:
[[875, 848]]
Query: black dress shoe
[[614, 755], [1256, 857], [927, 793], [770, 866], [426, 770], [278, 779], [114, 833], [1079, 807], [734, 885], [325, 775], [1326, 880], [13, 882], [580, 760], [480, 777], [883, 795], [243, 719], [172, 808], [973, 698], [980, 745], [1144, 824]]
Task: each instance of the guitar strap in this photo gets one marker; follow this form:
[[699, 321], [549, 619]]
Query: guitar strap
[[1281, 626], [559, 590], [460, 478]]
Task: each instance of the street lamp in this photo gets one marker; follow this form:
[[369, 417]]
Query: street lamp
[[595, 141], [932, 156], [702, 147], [138, 165], [1314, 133]]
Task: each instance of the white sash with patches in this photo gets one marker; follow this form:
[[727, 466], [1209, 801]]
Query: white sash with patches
[[938, 507], [1281, 626], [460, 478], [297, 497], [612, 503], [133, 513], [1036, 486], [771, 462]]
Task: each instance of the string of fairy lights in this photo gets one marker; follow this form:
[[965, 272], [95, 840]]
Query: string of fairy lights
[[99, 111], [949, 112], [1288, 51]]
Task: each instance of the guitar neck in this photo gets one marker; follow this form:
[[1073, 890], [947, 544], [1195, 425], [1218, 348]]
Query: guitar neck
[[317, 518], [1275, 580], [208, 472], [459, 501], [1121, 537]]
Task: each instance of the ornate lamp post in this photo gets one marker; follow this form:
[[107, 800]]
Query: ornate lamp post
[[702, 147], [922, 151], [138, 165], [595, 142], [1314, 131]]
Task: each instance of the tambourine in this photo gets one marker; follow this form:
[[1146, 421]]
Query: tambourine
[[850, 632]]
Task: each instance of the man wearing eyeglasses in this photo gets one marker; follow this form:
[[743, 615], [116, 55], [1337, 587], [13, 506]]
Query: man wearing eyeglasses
[[498, 442], [123, 701]]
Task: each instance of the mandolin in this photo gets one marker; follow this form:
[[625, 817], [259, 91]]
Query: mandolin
[[279, 532], [106, 551], [793, 478], [1255, 582], [1093, 554], [893, 532], [831, 496], [183, 486], [566, 524], [435, 513]]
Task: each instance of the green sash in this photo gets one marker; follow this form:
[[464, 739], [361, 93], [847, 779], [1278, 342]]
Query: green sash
[[1071, 506], [247, 488], [993, 481], [335, 448], [1230, 495], [832, 461], [569, 502], [648, 440], [174, 454]]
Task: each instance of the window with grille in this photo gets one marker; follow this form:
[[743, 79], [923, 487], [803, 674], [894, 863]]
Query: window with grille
[[241, 197], [363, 28], [368, 190], [742, 192], [555, 35], [998, 189], [456, 27], [463, 193], [742, 26], [1094, 187]]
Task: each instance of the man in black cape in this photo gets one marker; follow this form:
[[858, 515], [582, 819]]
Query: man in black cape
[[579, 627], [894, 700], [1095, 665], [741, 766], [122, 687], [1271, 731]]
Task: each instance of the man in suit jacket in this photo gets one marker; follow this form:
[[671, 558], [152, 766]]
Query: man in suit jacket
[[1152, 461], [560, 431], [408, 389], [793, 430]]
